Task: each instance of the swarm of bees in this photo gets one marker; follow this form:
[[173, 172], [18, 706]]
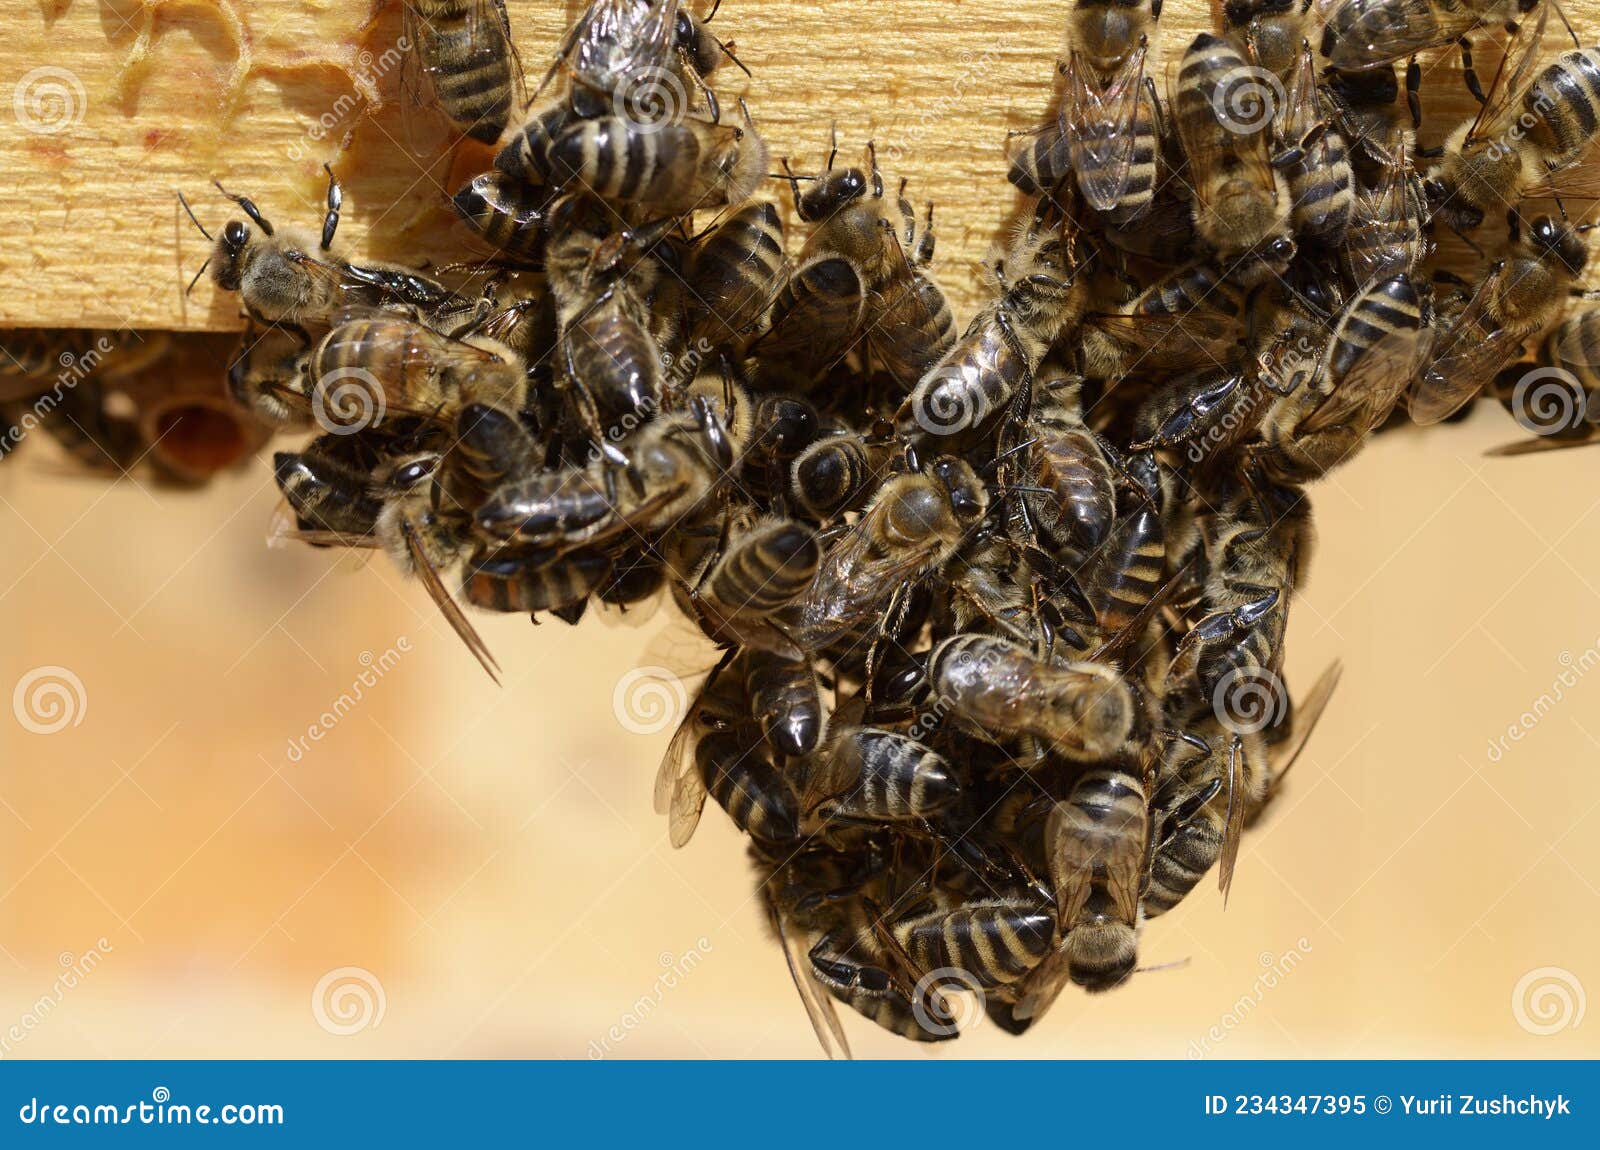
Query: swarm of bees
[[1001, 610]]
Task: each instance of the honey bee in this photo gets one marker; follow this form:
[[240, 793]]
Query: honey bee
[[762, 569], [531, 580], [1516, 298], [365, 368], [268, 375], [1568, 359], [673, 467], [1215, 779], [325, 493], [876, 776], [508, 213], [1004, 344], [1097, 840], [913, 525], [1242, 204], [716, 751], [734, 272], [1313, 155], [786, 701], [1083, 710], [290, 276], [1507, 150], [1361, 34], [862, 964], [801, 890], [672, 168], [612, 361], [1376, 346], [1190, 317], [1071, 500], [615, 45], [1106, 48], [464, 47], [997, 941], [836, 474]]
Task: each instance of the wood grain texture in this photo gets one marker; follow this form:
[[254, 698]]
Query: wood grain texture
[[119, 103]]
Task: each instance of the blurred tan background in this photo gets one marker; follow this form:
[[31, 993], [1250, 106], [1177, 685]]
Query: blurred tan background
[[489, 858], [459, 870]]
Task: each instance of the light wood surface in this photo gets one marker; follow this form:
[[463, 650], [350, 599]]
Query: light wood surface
[[153, 96]]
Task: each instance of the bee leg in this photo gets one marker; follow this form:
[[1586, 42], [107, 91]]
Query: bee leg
[[330, 222], [1414, 92], [1469, 74]]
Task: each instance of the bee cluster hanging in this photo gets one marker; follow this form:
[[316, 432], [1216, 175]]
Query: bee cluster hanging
[[1001, 609]]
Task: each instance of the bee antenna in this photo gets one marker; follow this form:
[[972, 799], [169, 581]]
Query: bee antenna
[[248, 207], [197, 275], [192, 218]]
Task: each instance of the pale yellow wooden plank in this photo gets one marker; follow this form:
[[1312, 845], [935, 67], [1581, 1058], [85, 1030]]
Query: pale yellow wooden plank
[[258, 93]]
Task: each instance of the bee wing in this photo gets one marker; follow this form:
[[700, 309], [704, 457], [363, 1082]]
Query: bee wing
[[1464, 359], [1373, 385], [1384, 33], [1511, 78], [1102, 132], [852, 586], [1192, 332], [834, 302], [1234, 832], [1387, 205], [1306, 716], [446, 602], [819, 1007], [1040, 989], [1541, 443], [1249, 162]]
